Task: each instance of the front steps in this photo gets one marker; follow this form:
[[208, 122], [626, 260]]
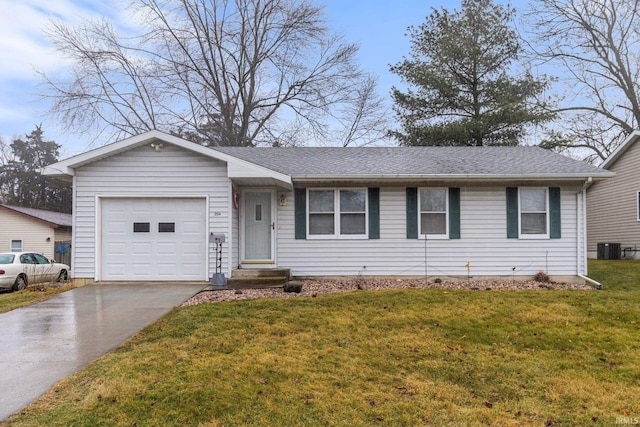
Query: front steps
[[258, 278]]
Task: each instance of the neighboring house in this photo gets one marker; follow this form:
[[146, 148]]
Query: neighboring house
[[144, 208], [34, 230], [614, 204]]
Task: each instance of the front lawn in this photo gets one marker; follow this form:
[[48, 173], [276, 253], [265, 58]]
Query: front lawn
[[394, 357], [31, 295]]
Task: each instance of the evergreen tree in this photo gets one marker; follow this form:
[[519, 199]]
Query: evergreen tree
[[461, 91], [22, 184]]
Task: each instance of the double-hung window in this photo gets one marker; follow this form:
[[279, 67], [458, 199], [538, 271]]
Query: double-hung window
[[16, 246], [434, 205], [337, 213], [534, 216]]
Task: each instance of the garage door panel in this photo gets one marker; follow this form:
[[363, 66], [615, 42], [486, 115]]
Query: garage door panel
[[141, 249], [117, 248], [167, 248], [175, 250], [167, 269], [141, 269], [191, 270], [117, 227], [190, 249]]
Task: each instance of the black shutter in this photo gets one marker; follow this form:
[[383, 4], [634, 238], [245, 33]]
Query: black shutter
[[555, 231], [374, 213], [300, 206], [512, 212], [454, 213], [412, 213]]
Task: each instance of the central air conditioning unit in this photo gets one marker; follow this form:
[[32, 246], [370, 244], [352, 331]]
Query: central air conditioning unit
[[609, 250]]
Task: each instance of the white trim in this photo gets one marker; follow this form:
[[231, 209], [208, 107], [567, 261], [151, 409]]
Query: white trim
[[337, 235], [540, 236], [74, 200], [454, 178], [638, 206], [444, 236], [98, 224], [583, 223], [268, 263], [97, 237], [230, 230], [624, 146], [207, 230]]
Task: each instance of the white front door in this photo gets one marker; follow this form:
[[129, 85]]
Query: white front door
[[259, 227]]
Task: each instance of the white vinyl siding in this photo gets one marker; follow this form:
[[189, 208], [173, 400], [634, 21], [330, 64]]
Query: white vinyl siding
[[144, 172], [483, 243]]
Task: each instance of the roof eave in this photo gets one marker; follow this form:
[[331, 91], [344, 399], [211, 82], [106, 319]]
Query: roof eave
[[622, 148], [35, 218]]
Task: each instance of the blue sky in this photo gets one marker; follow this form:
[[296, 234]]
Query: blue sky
[[379, 27]]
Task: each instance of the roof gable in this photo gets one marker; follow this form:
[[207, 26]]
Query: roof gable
[[622, 148], [237, 168]]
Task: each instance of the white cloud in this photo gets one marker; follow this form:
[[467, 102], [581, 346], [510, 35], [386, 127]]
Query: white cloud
[[24, 49], [23, 44]]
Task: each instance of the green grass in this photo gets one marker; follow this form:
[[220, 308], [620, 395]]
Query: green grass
[[33, 294], [395, 357]]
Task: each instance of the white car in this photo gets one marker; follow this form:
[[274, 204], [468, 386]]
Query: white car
[[19, 269]]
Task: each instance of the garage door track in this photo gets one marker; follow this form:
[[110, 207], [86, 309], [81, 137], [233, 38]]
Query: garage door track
[[45, 342]]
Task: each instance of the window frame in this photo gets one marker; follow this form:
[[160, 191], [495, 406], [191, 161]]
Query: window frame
[[547, 213], [12, 250], [445, 235], [337, 212], [638, 206]]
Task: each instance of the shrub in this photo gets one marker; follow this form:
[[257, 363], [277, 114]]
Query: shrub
[[541, 276]]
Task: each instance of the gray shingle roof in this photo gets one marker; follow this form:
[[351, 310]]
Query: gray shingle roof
[[393, 161], [57, 218]]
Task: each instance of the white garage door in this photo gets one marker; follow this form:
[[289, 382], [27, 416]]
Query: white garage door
[[153, 239]]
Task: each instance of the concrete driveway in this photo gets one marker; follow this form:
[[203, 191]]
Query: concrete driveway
[[45, 342]]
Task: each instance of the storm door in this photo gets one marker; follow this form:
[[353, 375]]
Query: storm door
[[259, 226]]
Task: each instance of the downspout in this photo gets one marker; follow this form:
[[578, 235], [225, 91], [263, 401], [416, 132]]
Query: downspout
[[581, 205]]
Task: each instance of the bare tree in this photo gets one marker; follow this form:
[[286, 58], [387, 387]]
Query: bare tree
[[224, 72], [596, 43]]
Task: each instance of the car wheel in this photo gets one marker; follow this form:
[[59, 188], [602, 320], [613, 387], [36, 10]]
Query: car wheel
[[20, 283], [62, 277]]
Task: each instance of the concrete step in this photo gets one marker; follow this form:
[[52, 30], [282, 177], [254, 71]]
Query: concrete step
[[247, 273], [256, 282]]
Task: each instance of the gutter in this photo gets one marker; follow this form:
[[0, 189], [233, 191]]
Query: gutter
[[583, 191], [444, 177]]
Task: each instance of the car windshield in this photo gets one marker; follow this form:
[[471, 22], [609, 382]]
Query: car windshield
[[6, 258]]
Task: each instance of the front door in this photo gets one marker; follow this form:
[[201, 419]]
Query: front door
[[259, 227]]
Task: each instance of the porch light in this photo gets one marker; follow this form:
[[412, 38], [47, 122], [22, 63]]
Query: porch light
[[283, 200]]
